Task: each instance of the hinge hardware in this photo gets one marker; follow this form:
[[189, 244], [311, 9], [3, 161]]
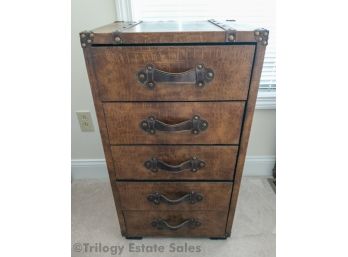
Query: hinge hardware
[[230, 33], [117, 34]]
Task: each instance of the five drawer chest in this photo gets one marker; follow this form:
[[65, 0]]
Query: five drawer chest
[[175, 102]]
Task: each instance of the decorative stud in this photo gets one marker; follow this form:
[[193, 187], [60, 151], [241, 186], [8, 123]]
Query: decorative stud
[[199, 66], [117, 39], [86, 38], [261, 36]]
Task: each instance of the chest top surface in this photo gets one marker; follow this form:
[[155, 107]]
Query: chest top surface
[[173, 32]]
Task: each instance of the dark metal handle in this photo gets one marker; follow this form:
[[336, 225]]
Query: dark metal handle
[[199, 76], [155, 164], [163, 224], [195, 125], [192, 197]]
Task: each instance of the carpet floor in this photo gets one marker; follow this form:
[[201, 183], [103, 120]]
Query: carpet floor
[[95, 229]]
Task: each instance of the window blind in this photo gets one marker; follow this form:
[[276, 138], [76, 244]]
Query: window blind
[[258, 13]]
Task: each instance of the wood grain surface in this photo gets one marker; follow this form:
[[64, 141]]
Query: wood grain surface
[[116, 71], [219, 161], [224, 119], [133, 195], [212, 223]]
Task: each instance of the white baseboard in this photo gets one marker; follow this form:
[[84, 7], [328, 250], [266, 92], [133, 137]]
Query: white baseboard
[[260, 165], [89, 169]]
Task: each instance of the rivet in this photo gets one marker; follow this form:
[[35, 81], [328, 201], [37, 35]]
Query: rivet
[[200, 84], [199, 66], [83, 35], [152, 131], [260, 38], [141, 76], [194, 169], [257, 33], [194, 157], [83, 44], [152, 118], [265, 33], [195, 131], [264, 42], [144, 124], [210, 74], [230, 37], [149, 67], [204, 124], [201, 164], [117, 39], [196, 117], [150, 84], [91, 35], [89, 41]]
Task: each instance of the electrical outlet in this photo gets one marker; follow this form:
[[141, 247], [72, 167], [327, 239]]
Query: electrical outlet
[[85, 120]]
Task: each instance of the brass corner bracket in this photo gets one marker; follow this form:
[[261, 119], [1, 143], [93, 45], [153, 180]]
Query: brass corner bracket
[[86, 38], [261, 36]]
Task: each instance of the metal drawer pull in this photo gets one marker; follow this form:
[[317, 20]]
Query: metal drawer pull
[[155, 164], [199, 76], [195, 125], [163, 224], [192, 197]]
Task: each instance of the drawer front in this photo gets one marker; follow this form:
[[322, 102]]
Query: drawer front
[[118, 78], [174, 162], [176, 223], [174, 195], [174, 123]]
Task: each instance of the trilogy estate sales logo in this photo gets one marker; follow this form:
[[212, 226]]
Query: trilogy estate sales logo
[[135, 248]]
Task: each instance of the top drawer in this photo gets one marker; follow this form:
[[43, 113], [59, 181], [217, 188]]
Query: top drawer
[[122, 72]]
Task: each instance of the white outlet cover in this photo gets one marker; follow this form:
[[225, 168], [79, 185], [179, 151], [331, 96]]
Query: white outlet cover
[[85, 121]]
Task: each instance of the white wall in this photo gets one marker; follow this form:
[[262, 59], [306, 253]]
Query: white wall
[[89, 14]]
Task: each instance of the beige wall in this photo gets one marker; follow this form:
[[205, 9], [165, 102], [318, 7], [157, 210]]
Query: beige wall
[[263, 134], [88, 14]]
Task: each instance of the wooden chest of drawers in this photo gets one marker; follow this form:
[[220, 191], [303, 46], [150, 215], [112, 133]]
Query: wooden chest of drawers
[[175, 103]]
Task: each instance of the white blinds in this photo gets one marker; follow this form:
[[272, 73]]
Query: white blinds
[[258, 13]]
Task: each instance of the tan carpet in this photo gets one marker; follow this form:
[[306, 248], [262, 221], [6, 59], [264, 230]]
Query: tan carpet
[[95, 230]]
